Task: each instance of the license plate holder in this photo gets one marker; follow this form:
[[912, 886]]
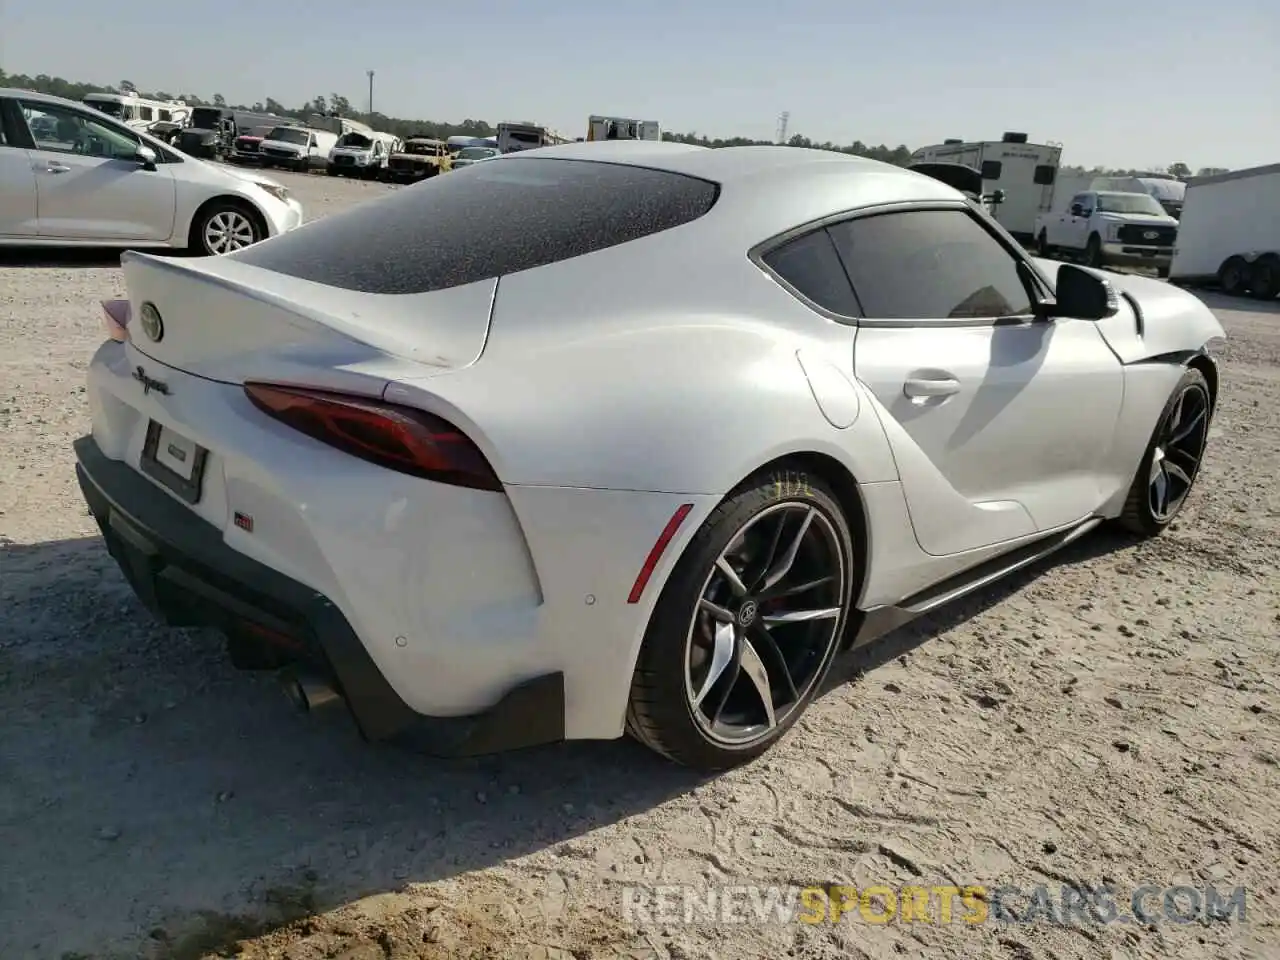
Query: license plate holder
[[174, 460]]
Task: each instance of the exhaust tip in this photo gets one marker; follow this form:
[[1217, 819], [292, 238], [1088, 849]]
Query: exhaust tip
[[308, 693]]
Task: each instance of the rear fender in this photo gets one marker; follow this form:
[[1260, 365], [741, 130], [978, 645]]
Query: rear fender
[[689, 410]]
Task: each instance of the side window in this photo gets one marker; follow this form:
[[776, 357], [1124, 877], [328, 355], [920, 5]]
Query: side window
[[59, 129], [1081, 199], [929, 264], [1043, 175], [144, 113], [166, 116], [1087, 201], [991, 169], [811, 265]]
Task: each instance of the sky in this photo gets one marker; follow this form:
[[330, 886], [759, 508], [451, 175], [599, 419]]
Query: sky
[[1119, 85]]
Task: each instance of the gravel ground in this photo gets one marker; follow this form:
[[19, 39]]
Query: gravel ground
[[1109, 717]]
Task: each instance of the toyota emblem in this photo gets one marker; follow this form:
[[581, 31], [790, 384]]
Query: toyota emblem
[[152, 325]]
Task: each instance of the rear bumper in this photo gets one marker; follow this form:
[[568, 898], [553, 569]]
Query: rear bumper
[[185, 573]]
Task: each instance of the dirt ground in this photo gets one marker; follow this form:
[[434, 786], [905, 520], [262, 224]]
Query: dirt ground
[[1110, 717]]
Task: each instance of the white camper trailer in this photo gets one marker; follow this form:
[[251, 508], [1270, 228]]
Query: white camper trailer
[[139, 112], [1024, 171]]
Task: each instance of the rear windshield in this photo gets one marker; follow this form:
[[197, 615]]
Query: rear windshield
[[484, 221]]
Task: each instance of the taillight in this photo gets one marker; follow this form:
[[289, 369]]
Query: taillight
[[392, 436], [115, 319]]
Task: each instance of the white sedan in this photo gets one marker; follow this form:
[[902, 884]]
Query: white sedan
[[72, 176]]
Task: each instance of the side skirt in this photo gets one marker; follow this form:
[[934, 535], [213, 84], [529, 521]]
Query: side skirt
[[878, 621]]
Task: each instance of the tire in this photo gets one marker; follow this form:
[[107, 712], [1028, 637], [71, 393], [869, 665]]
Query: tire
[[1042, 245], [1093, 252], [1177, 444], [234, 222], [1264, 278], [1234, 276], [699, 660]]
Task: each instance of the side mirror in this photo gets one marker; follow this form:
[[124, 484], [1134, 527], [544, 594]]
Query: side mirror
[[1082, 294], [146, 157], [997, 196], [1077, 210]]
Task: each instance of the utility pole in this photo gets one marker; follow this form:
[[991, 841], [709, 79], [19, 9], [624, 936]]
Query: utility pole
[[370, 72]]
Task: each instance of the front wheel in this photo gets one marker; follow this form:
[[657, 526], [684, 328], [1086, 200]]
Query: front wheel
[[1172, 460], [747, 626], [1093, 252], [224, 228]]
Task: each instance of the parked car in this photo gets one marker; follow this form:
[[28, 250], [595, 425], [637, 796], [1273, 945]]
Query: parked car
[[71, 175], [297, 148], [446, 475], [469, 155], [417, 159], [247, 148]]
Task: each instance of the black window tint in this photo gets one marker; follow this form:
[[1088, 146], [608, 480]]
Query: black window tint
[[929, 264], [1044, 175], [991, 169], [485, 221], [812, 265]]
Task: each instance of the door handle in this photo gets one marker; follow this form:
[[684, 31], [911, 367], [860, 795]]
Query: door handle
[[927, 387]]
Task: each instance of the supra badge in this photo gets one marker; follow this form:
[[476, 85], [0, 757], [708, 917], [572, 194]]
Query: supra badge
[[152, 325], [150, 383]]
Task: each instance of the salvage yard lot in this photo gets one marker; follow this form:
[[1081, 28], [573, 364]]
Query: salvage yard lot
[[1111, 716]]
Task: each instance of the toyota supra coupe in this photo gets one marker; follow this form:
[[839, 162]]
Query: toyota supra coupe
[[623, 437]]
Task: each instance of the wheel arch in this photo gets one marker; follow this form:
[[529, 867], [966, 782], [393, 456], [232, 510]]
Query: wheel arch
[[230, 200], [844, 487], [1209, 369]]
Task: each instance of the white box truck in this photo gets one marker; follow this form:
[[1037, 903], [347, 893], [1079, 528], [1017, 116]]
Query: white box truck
[[1229, 233]]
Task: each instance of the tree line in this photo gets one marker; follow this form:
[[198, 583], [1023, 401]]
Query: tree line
[[337, 105]]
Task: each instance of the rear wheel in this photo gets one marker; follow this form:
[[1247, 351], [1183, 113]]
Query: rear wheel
[[1172, 462], [1264, 279], [1233, 277], [1042, 244], [747, 625]]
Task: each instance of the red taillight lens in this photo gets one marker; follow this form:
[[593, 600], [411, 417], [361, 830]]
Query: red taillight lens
[[115, 319], [392, 436]]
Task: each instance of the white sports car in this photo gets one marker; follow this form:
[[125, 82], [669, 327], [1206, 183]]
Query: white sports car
[[623, 437]]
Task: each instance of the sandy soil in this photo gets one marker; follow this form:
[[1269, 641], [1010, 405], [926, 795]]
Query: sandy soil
[[1109, 717]]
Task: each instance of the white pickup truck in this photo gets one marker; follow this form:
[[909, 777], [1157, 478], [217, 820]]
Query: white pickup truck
[[1110, 229]]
